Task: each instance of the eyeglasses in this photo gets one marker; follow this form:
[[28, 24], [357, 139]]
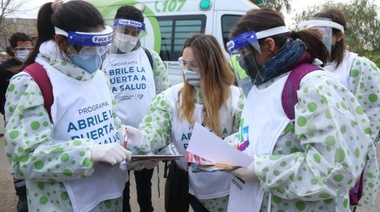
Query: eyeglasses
[[190, 64], [100, 50], [23, 48]]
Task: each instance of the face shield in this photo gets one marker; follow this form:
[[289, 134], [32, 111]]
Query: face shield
[[126, 34], [242, 50], [89, 47], [325, 27]]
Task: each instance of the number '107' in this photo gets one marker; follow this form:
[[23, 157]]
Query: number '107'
[[169, 5]]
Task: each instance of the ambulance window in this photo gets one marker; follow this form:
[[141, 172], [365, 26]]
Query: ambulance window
[[228, 21], [174, 32]]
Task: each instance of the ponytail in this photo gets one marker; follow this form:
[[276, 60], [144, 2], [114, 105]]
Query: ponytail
[[314, 43], [73, 16]]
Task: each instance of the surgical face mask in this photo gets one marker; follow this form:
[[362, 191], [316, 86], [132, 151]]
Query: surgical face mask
[[326, 33], [88, 57], [250, 66], [124, 42], [22, 55], [89, 62], [192, 77]]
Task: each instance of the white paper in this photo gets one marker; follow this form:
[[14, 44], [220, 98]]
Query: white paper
[[209, 146]]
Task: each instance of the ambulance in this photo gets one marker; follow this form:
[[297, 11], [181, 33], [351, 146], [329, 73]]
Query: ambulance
[[168, 23]]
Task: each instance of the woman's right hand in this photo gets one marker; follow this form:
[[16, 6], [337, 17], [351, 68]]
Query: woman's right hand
[[110, 153], [131, 135], [245, 173]]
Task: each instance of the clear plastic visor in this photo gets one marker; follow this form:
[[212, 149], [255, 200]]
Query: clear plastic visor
[[86, 43], [128, 27], [320, 23], [84, 51], [242, 50], [324, 27]]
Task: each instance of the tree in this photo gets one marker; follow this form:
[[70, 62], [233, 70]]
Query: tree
[[278, 5], [363, 27], [7, 8]]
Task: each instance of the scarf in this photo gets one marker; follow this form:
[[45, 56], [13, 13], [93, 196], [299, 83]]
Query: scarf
[[290, 55]]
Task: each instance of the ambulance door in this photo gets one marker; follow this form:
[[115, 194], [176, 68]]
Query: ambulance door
[[224, 21], [175, 30]]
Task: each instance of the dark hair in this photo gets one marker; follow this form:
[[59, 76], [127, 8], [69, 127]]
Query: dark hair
[[19, 36], [75, 15], [336, 16], [129, 12], [9, 51], [262, 19]]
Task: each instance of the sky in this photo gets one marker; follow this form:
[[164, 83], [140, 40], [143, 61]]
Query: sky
[[30, 8]]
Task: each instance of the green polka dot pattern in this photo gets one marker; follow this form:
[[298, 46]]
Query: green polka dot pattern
[[327, 146], [161, 77], [157, 125], [33, 153], [216, 204], [364, 83]]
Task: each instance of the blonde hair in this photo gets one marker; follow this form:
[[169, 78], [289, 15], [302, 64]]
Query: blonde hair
[[216, 79]]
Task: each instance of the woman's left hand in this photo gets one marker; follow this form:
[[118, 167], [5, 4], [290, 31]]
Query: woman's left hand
[[246, 173]]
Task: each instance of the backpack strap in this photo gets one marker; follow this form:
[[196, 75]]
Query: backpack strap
[[39, 75], [147, 52], [289, 96]]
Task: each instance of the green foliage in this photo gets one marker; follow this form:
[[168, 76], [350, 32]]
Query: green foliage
[[279, 5], [363, 27], [373, 56]]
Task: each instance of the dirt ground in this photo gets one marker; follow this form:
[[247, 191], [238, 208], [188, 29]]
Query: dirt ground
[[8, 198]]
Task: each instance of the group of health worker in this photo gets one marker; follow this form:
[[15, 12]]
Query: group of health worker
[[72, 156]]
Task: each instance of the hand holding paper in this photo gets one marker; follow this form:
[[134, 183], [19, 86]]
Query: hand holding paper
[[209, 146], [246, 173]]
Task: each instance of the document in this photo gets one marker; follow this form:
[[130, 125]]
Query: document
[[207, 145]]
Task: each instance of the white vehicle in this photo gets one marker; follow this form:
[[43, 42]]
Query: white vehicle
[[170, 22]]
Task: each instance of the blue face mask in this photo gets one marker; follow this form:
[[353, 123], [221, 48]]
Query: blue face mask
[[89, 62], [192, 77]]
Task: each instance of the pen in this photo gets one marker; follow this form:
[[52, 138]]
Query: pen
[[125, 138]]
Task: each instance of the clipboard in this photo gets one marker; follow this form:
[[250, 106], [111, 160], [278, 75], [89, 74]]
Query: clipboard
[[155, 157]]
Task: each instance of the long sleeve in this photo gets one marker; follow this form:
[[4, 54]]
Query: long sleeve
[[157, 124], [29, 145], [364, 82], [161, 77], [324, 153], [238, 112]]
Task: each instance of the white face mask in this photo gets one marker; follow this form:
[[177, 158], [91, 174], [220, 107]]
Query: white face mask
[[192, 77], [125, 43], [22, 55]]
